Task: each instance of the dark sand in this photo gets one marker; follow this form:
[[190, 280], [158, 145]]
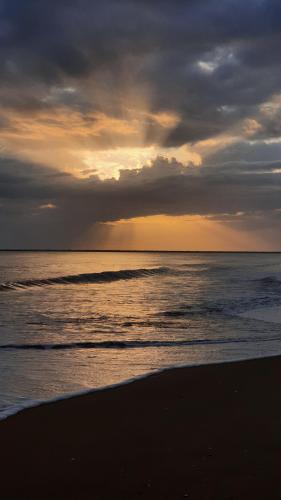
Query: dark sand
[[209, 432]]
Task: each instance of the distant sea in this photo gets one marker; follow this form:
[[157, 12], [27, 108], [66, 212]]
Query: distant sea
[[70, 322]]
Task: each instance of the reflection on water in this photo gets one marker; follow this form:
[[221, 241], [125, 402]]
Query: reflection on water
[[191, 311]]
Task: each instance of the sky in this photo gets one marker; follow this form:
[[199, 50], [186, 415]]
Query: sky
[[140, 124]]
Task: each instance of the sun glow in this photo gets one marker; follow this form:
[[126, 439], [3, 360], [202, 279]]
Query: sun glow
[[173, 233], [87, 143], [108, 163]]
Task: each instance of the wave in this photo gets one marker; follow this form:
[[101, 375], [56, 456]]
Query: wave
[[135, 344], [269, 280], [78, 279], [194, 310]]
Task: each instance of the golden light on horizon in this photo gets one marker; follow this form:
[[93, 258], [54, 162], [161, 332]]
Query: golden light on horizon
[[173, 233]]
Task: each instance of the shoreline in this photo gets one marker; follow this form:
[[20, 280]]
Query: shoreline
[[205, 432], [17, 409]]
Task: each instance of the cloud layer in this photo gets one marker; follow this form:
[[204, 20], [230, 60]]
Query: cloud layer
[[57, 207], [212, 64], [81, 81]]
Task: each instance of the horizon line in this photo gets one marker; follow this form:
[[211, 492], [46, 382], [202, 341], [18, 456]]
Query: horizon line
[[72, 250]]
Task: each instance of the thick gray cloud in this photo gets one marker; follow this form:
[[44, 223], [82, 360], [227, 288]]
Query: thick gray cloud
[[39, 201], [246, 152], [212, 64], [198, 59]]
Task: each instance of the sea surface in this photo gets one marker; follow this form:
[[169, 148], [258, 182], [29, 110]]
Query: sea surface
[[70, 322]]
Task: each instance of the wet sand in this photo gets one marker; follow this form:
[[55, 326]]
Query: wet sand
[[209, 432]]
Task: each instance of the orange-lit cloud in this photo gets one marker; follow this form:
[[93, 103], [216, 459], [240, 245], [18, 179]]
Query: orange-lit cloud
[[118, 110], [74, 141]]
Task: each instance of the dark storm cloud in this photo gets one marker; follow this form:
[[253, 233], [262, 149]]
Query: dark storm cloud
[[246, 152], [211, 63], [165, 187], [43, 207], [197, 58]]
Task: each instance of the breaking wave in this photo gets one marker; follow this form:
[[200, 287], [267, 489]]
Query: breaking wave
[[78, 279], [135, 344], [269, 281]]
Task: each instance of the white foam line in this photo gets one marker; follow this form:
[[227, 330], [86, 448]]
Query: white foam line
[[18, 408]]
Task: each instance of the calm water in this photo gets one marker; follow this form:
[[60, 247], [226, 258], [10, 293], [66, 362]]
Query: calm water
[[114, 316]]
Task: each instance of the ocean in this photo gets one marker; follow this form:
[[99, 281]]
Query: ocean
[[75, 321]]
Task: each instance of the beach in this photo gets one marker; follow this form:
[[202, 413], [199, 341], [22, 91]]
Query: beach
[[204, 432]]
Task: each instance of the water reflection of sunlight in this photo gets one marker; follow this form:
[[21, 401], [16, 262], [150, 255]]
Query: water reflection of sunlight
[[133, 310]]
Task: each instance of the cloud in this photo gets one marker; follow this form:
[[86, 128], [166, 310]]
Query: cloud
[[165, 187], [198, 60], [78, 79]]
